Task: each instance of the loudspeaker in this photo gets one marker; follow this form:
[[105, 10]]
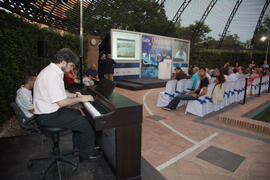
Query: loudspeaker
[[43, 48]]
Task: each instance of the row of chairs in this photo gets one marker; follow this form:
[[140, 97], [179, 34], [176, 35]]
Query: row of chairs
[[255, 85], [173, 88], [234, 92]]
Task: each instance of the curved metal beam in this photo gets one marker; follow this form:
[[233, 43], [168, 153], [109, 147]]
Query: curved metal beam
[[204, 16], [259, 23], [180, 11], [236, 6], [161, 2]]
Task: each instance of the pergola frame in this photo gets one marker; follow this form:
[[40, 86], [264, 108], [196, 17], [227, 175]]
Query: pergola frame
[[236, 6]]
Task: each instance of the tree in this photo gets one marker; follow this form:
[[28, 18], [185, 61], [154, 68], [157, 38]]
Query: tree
[[136, 15], [231, 41], [187, 32]]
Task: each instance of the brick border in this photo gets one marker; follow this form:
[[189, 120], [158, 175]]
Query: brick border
[[246, 123]]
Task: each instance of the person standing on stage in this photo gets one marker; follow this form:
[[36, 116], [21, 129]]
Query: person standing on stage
[[51, 101], [109, 68], [101, 66]]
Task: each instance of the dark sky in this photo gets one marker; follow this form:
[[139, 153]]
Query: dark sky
[[243, 24]]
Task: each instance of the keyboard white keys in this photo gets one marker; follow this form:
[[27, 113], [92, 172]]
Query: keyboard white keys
[[90, 108]]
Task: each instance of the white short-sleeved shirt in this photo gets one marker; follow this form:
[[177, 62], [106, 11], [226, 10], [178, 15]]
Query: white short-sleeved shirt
[[25, 101], [48, 89]]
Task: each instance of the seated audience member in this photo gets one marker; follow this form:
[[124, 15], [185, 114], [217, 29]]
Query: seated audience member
[[252, 64], [70, 80], [180, 74], [226, 73], [218, 92], [240, 71], [265, 65], [92, 73], [192, 95], [226, 68], [87, 81], [195, 76], [233, 76], [256, 74], [265, 71], [24, 95], [237, 64], [212, 73]]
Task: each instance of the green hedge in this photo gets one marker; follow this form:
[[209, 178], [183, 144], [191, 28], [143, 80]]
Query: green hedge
[[213, 58], [18, 54]]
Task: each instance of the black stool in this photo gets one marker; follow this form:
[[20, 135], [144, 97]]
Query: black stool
[[56, 156]]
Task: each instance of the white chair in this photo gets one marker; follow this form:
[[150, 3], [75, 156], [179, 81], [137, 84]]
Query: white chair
[[198, 84], [231, 91], [265, 82], [180, 90], [198, 106], [188, 85], [165, 97], [227, 86], [235, 85], [212, 80], [255, 86], [208, 98], [241, 89], [180, 86]]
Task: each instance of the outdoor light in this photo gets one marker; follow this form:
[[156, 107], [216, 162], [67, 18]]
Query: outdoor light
[[263, 38]]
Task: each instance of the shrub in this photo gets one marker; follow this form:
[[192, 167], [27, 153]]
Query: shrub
[[18, 54]]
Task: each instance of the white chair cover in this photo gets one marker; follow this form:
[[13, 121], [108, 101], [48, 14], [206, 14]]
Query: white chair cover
[[255, 86], [188, 85], [199, 106], [227, 86], [265, 82], [165, 97], [180, 89]]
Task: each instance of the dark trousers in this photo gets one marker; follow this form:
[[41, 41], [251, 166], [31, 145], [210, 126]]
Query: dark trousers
[[175, 101], [83, 133]]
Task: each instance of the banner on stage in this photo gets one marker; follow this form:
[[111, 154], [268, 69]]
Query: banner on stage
[[154, 50]]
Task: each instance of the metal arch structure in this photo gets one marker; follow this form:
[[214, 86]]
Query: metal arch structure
[[180, 11], [161, 2], [258, 24], [236, 6], [204, 16], [52, 13]]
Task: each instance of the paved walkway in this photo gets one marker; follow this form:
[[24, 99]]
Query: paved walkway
[[173, 143]]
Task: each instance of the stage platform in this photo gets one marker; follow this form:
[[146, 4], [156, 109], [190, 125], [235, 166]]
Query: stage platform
[[138, 84], [15, 152]]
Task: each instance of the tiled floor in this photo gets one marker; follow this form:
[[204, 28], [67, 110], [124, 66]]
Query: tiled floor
[[172, 144], [160, 145]]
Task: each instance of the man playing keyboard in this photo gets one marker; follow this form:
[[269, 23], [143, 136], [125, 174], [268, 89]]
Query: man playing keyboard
[[51, 101]]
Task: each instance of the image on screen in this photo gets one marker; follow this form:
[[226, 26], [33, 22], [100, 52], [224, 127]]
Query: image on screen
[[125, 48], [180, 51]]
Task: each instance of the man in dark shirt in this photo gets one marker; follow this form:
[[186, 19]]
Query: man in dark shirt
[[180, 74], [92, 73], [109, 68], [192, 95]]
